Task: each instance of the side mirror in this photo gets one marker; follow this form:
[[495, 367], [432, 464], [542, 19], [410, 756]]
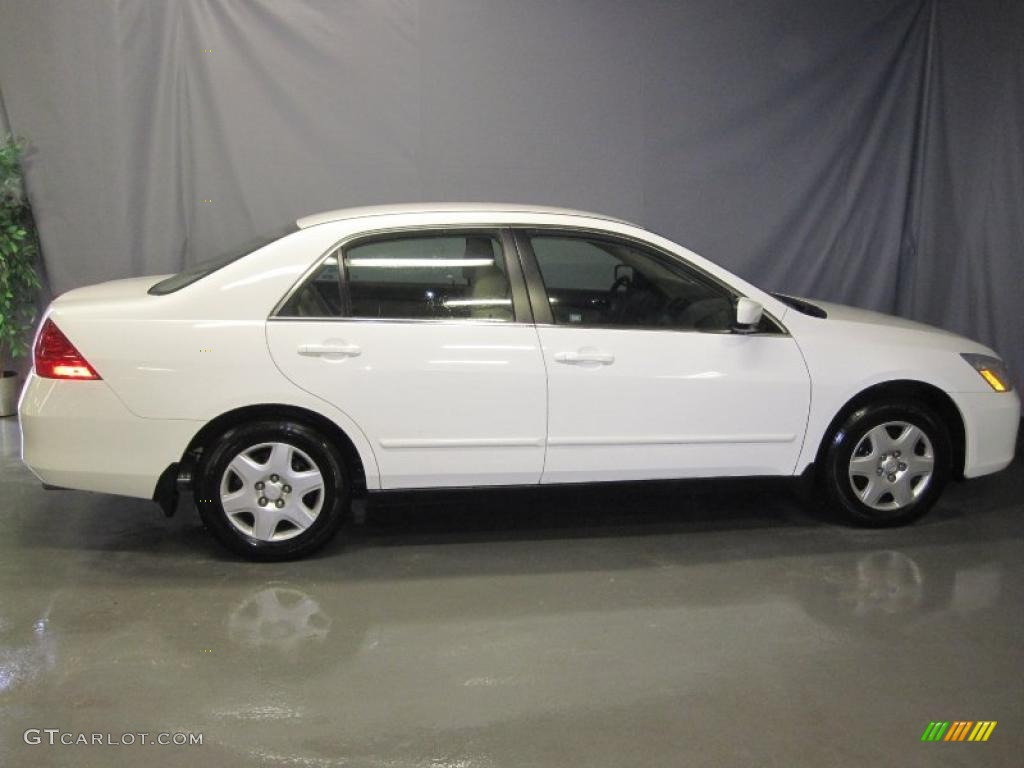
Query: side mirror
[[748, 314]]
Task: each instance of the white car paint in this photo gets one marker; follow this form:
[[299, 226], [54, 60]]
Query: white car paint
[[672, 404], [463, 402], [445, 404], [856, 349]]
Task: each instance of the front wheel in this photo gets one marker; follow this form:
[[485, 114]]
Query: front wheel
[[272, 490], [887, 464]]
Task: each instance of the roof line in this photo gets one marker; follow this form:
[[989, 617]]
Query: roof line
[[341, 214]]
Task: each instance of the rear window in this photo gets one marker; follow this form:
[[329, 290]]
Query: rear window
[[208, 267]]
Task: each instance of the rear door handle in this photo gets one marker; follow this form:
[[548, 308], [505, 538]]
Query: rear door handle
[[331, 350], [584, 357]]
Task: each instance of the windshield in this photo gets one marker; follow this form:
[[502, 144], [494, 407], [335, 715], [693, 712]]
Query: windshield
[[207, 267]]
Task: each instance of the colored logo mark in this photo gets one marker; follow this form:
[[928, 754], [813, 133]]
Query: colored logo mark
[[959, 730]]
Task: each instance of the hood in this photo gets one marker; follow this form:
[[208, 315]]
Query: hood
[[869, 327], [869, 317]]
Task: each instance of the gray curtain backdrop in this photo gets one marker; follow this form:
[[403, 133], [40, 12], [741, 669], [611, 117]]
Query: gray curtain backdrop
[[864, 151]]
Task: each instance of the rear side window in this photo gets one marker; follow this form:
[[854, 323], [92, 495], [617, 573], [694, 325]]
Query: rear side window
[[423, 277]]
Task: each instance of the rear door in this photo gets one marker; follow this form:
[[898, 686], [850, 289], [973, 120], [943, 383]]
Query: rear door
[[646, 378], [425, 339]]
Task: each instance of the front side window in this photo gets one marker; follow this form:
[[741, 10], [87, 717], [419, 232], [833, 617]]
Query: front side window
[[411, 277], [592, 281]]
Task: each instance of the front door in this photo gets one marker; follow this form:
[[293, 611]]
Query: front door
[[646, 378], [420, 338]]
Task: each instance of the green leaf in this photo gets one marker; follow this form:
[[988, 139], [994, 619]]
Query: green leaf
[[19, 280]]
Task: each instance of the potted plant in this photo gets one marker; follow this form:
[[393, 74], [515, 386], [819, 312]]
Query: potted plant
[[19, 281]]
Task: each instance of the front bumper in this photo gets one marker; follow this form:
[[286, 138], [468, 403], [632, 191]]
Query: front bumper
[[78, 434], [991, 420]]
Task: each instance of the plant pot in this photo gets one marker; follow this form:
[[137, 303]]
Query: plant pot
[[8, 393]]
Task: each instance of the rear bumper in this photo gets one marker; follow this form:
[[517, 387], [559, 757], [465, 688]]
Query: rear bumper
[[991, 420], [78, 434]]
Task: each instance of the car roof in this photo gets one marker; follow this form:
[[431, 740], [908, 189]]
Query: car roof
[[410, 208]]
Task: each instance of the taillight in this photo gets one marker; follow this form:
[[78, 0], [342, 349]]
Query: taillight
[[57, 358]]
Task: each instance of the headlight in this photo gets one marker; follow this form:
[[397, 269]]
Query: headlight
[[991, 369]]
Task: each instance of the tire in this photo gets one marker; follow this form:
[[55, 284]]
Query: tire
[[272, 490], [868, 483]]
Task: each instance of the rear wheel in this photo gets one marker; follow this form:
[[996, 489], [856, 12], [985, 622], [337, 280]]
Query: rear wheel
[[272, 490], [887, 464]]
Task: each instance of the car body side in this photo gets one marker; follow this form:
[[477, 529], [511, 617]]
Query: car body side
[[194, 355]]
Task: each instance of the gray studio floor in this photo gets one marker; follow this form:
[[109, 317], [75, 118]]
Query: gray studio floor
[[691, 626]]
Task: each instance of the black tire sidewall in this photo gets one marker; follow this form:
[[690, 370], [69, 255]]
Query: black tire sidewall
[[306, 439], [845, 439]]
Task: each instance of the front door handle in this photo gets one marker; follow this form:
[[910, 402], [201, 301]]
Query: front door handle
[[330, 350], [585, 356]]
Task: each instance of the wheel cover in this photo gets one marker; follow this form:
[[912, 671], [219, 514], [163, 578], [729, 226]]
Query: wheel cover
[[891, 466], [272, 491]]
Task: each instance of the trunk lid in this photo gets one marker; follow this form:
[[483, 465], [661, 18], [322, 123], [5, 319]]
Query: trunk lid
[[113, 290]]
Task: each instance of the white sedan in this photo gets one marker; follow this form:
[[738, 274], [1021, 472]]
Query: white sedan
[[438, 346]]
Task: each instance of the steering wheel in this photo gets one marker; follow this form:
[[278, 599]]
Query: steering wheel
[[625, 281]]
